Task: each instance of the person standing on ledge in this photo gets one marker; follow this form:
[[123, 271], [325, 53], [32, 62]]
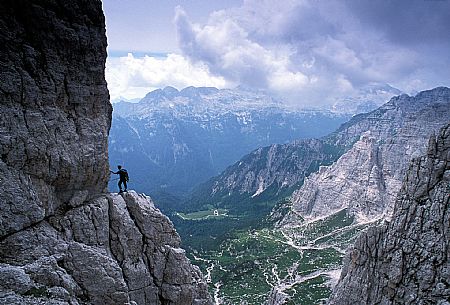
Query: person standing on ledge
[[123, 178]]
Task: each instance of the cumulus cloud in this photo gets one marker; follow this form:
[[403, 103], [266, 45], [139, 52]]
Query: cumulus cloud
[[133, 77], [225, 47], [311, 52]]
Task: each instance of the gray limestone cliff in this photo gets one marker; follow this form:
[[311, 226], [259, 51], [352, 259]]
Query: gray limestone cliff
[[54, 110], [63, 240], [111, 249], [407, 260], [366, 179]]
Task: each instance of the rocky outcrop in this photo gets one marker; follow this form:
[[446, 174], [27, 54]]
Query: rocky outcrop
[[406, 261], [111, 250], [63, 240], [366, 179]]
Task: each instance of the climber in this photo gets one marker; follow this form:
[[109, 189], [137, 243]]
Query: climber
[[123, 178]]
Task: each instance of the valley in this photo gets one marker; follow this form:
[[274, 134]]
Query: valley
[[199, 215], [295, 266]]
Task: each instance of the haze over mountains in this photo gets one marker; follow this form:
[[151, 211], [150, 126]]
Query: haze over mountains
[[368, 98], [173, 140], [400, 128]]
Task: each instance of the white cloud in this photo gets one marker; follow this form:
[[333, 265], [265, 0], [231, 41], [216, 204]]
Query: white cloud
[[305, 51], [308, 52], [227, 50], [248, 47], [133, 77]]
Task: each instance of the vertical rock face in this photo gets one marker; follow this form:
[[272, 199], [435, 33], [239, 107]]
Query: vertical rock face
[[406, 261], [62, 239], [355, 176], [54, 112]]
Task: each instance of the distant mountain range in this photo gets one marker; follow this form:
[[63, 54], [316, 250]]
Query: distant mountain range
[[381, 142], [368, 98], [173, 140], [124, 99]]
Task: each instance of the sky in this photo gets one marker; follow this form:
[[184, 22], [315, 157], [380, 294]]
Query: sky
[[307, 52]]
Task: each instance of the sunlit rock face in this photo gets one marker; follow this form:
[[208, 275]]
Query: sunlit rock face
[[406, 261], [63, 240], [367, 178]]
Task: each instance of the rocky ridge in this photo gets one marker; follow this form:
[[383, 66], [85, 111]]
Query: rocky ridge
[[277, 168], [366, 179], [63, 240], [110, 250], [406, 261]]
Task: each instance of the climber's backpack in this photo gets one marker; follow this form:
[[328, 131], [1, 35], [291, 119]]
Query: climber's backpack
[[125, 174]]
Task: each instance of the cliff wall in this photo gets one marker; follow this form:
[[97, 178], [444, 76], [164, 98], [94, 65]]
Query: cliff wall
[[63, 240], [54, 112], [406, 261]]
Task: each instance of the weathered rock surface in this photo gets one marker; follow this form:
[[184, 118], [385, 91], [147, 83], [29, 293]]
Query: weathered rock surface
[[366, 179], [111, 250], [54, 110], [62, 239], [406, 261]]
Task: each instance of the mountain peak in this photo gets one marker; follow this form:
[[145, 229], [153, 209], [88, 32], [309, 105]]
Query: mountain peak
[[159, 95], [366, 99], [196, 91], [169, 90], [441, 91]]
